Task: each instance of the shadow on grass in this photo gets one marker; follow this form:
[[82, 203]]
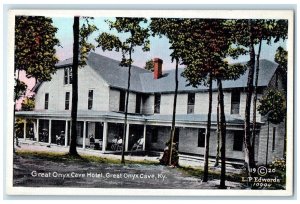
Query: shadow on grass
[[198, 172], [63, 157]]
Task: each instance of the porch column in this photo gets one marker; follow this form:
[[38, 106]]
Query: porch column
[[49, 131], [34, 129], [24, 133], [144, 137], [127, 137], [104, 142], [84, 134], [37, 129], [66, 133]]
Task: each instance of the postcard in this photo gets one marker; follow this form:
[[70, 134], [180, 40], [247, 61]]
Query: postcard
[[150, 102]]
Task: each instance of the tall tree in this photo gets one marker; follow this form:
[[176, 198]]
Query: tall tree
[[266, 30], [209, 45], [174, 30], [149, 65], [75, 64], [249, 33], [218, 133], [35, 43], [138, 36], [281, 59], [81, 49]]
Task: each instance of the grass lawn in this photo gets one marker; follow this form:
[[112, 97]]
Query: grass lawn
[[83, 158]]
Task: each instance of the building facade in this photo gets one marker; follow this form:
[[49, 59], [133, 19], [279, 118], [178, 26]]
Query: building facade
[[102, 87]]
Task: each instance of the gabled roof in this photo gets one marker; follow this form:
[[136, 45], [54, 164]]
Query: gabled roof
[[166, 83], [142, 80], [115, 75], [111, 71]]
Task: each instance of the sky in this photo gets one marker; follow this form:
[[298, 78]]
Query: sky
[[159, 47]]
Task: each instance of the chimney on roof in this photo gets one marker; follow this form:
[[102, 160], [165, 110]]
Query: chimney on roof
[[157, 67]]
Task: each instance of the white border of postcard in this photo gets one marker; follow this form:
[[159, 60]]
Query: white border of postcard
[[234, 14]]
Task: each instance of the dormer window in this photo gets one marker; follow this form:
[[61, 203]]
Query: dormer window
[[68, 75]]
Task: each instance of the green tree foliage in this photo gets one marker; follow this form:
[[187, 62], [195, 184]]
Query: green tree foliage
[[149, 65], [207, 45], [19, 131], [248, 33], [35, 43], [173, 29], [28, 104], [20, 89], [81, 49], [137, 37], [273, 105], [281, 59]]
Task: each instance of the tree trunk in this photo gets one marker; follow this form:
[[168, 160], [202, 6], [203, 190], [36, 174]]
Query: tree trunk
[[218, 133], [207, 135], [73, 143], [223, 135], [15, 119], [174, 114], [249, 160], [126, 109], [255, 99]]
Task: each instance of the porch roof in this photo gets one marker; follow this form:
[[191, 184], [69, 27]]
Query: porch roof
[[90, 114]]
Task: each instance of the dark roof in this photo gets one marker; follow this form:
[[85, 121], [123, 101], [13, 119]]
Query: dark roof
[[142, 80], [167, 83], [65, 63], [111, 71]]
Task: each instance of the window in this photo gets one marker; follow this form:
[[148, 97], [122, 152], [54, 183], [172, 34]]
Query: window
[[68, 75], [274, 135], [67, 101], [157, 103], [46, 100], [138, 103], [238, 140], [235, 102], [201, 137], [176, 135], [154, 135], [122, 101], [90, 99], [191, 103]]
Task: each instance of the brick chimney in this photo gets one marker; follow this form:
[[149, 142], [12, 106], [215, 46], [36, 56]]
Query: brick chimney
[[157, 68]]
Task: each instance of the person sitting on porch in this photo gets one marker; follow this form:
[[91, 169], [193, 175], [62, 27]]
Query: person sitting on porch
[[138, 145], [92, 141], [57, 139], [119, 144], [44, 135], [114, 143], [60, 138], [31, 134]]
